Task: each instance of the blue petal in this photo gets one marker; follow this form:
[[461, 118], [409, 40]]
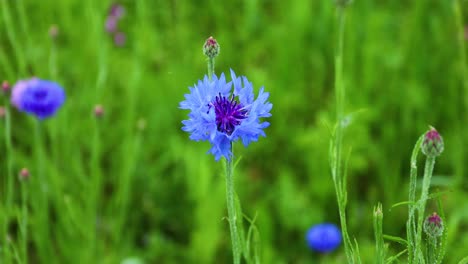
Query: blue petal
[[221, 147]]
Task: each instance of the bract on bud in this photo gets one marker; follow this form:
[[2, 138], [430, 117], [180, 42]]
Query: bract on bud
[[433, 225], [433, 144], [211, 48]]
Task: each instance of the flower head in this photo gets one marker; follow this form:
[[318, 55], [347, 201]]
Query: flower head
[[324, 237], [211, 48], [41, 98], [433, 144], [223, 112], [433, 225]]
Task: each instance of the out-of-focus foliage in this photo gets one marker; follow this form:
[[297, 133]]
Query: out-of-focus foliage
[[163, 198]]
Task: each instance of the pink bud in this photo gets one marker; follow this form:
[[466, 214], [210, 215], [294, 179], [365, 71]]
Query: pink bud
[[24, 174]]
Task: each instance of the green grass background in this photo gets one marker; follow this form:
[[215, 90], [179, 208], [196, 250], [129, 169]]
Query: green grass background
[[162, 198]]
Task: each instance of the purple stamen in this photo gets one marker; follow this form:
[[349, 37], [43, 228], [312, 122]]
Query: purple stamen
[[229, 113]]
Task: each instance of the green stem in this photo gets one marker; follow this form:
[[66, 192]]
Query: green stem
[[95, 189], [458, 14], [232, 212], [20, 58], [42, 202], [339, 94], [211, 67], [9, 175], [53, 60], [24, 221], [431, 250], [379, 242], [411, 225], [461, 43], [337, 174], [344, 230], [339, 86], [429, 167], [9, 156]]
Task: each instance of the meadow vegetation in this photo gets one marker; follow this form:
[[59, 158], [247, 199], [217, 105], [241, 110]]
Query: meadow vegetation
[[128, 186]]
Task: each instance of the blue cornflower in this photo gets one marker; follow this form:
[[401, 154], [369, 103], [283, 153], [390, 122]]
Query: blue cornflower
[[324, 237], [38, 97], [223, 112]]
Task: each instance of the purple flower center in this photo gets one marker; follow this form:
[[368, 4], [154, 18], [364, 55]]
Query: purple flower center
[[229, 113], [40, 94]]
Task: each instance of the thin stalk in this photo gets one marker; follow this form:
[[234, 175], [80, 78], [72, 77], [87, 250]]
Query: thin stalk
[[429, 167], [20, 58], [339, 90], [232, 212], [42, 202], [53, 60], [442, 245], [379, 241], [24, 221], [15, 252], [96, 182], [9, 176], [457, 9], [458, 14], [411, 225], [132, 145], [337, 174], [431, 249], [211, 67]]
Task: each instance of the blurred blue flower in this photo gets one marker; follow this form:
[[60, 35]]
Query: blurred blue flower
[[324, 237], [222, 112], [38, 97]]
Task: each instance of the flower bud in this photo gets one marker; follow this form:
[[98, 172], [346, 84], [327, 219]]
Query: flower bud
[[98, 110], [6, 86], [24, 174], [433, 225], [433, 144], [53, 31], [378, 214], [342, 3], [141, 124], [211, 48], [119, 39]]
